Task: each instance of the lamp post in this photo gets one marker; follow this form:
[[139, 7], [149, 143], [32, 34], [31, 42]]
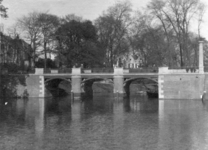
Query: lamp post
[[201, 57]]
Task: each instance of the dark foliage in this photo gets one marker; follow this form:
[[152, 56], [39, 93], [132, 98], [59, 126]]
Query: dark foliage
[[50, 63], [77, 44]]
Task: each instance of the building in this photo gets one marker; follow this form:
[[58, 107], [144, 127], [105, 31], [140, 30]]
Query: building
[[14, 50], [132, 60]]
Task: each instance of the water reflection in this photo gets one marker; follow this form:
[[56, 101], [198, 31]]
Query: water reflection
[[35, 111], [205, 104], [183, 125], [105, 121], [141, 103]]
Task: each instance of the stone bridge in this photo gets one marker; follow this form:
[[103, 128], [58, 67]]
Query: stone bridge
[[171, 83], [82, 82]]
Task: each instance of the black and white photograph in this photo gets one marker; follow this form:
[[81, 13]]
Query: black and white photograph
[[103, 74]]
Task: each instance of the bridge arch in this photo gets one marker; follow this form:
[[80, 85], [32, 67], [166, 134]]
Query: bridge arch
[[87, 84], [57, 78], [58, 86], [128, 81]]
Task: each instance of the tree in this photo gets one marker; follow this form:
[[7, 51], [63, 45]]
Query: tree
[[3, 10], [71, 17], [205, 47], [77, 44], [112, 29], [149, 42], [153, 47], [41, 63], [201, 12], [12, 31], [48, 25], [32, 34], [176, 16]]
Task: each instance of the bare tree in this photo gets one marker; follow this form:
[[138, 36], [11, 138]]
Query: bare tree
[[31, 33], [48, 25], [176, 16], [71, 17], [201, 12], [112, 29]]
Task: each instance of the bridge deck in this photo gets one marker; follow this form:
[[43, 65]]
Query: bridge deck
[[101, 75]]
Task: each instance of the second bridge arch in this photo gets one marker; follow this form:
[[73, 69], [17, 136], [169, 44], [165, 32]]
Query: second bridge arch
[[87, 85]]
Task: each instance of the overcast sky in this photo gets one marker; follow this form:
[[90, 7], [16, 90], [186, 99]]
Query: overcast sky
[[88, 9]]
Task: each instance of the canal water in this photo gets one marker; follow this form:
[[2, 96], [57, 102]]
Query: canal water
[[105, 122]]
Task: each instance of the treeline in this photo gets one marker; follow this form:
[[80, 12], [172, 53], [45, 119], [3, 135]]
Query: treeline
[[157, 36]]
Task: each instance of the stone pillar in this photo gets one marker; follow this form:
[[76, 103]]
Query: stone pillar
[[39, 71], [201, 57], [118, 80], [42, 86], [163, 70], [160, 86], [76, 81]]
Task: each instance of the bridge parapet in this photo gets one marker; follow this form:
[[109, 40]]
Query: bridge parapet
[[115, 71], [166, 70], [102, 70]]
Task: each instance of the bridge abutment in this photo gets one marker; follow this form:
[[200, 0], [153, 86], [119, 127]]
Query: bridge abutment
[[174, 84], [183, 84], [35, 84]]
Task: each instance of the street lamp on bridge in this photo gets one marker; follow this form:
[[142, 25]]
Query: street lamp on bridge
[[201, 57]]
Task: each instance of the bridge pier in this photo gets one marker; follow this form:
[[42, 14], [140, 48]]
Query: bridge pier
[[76, 82], [118, 80]]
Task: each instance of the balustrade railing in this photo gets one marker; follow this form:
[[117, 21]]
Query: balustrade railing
[[65, 70], [126, 70], [142, 70], [186, 68], [102, 70]]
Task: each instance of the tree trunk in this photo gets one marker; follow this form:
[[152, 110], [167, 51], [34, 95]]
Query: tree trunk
[[45, 60], [181, 54]]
